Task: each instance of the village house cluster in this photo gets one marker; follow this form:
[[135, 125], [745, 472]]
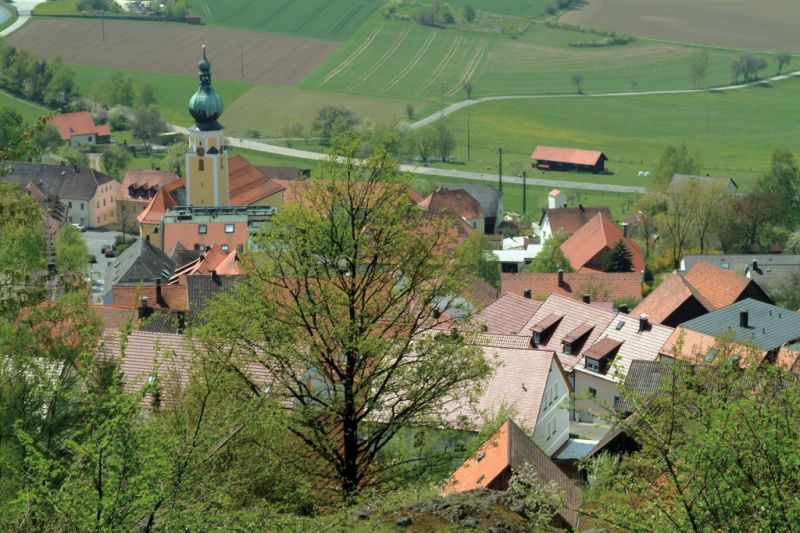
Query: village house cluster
[[564, 341]]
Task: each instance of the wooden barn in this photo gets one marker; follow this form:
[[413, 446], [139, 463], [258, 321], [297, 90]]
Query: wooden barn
[[555, 158]]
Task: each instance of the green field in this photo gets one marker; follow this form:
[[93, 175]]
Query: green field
[[172, 92], [735, 132], [267, 107], [336, 20], [407, 60], [57, 7], [29, 111]]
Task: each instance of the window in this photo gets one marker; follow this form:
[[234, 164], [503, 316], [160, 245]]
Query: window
[[240, 248], [553, 430], [616, 402], [104, 202], [81, 206], [201, 165], [70, 206], [155, 230], [98, 204], [225, 248], [567, 348], [592, 392], [202, 229], [592, 365], [228, 228], [537, 338]]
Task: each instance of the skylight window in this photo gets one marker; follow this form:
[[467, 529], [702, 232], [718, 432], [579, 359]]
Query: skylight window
[[620, 325]]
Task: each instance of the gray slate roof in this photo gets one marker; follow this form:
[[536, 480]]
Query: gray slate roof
[[141, 262], [770, 326], [67, 182], [202, 289], [727, 182], [644, 379]]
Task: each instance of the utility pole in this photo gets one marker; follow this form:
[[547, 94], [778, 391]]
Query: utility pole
[[468, 138], [242, 56], [103, 27], [524, 192], [441, 97], [500, 167]]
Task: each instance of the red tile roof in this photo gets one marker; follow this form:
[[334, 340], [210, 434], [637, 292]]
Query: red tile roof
[[671, 294], [602, 286], [162, 201], [114, 317], [566, 155], [718, 286], [599, 234], [508, 314], [456, 201], [79, 123], [146, 179], [479, 292], [571, 219], [248, 185]]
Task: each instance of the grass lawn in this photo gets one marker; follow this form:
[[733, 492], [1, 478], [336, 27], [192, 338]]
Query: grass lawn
[[172, 92], [323, 19], [29, 111], [12, 19], [735, 132], [57, 7], [267, 107]]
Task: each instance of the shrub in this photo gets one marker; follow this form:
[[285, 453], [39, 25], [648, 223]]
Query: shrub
[[469, 13]]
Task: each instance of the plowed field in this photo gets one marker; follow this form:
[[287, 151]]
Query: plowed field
[[175, 49]]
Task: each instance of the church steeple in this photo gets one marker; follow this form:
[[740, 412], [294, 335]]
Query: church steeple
[[205, 106], [207, 180]]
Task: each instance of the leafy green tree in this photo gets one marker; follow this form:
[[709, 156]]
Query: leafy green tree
[[74, 156], [445, 141], [469, 13], [338, 296], [539, 501], [332, 121], [147, 126], [72, 254], [718, 449], [478, 254], [174, 157], [783, 59], [120, 90], [619, 259], [783, 177], [60, 88], [675, 160], [49, 139], [147, 96], [11, 125], [425, 143], [551, 258], [116, 160], [577, 81]]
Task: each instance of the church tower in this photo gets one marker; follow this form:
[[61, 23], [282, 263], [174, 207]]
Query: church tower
[[207, 182]]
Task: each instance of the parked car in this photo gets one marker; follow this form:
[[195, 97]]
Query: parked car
[[109, 252], [79, 227], [104, 248], [93, 259]]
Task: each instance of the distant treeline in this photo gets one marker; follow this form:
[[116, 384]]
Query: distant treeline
[[47, 82]]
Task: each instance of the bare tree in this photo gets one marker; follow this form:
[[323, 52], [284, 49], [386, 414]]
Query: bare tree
[[679, 219], [783, 59], [634, 85], [468, 88], [698, 66]]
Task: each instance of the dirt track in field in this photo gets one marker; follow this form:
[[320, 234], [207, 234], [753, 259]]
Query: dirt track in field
[[768, 25], [175, 48]]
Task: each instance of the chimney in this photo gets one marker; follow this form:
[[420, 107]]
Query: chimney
[[623, 308], [644, 323], [625, 229], [560, 277], [75, 169], [744, 319], [587, 298], [527, 293], [143, 311], [436, 313], [214, 275], [158, 291], [755, 264]]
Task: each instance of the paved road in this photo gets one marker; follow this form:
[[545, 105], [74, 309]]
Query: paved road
[[22, 6], [94, 240]]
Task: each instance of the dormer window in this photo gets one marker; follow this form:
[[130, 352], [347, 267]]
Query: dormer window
[[574, 340], [600, 356], [544, 328]]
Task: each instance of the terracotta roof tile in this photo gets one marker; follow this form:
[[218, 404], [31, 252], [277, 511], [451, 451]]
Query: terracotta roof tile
[[574, 314], [79, 123], [480, 293], [566, 155], [160, 203], [599, 234], [602, 286], [456, 201], [147, 179], [665, 299], [248, 184], [718, 286], [508, 314], [571, 219]]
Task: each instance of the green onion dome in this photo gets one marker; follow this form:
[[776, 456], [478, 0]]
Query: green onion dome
[[205, 106]]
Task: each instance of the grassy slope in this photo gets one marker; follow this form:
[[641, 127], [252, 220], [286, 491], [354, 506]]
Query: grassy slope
[[57, 7], [436, 62], [172, 92], [744, 127], [29, 111], [12, 19], [266, 107], [324, 19]]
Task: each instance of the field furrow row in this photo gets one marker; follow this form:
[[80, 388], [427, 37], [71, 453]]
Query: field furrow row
[[382, 61], [352, 57], [413, 63], [472, 66], [442, 65]]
